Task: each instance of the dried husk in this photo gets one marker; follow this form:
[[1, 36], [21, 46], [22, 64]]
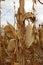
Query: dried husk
[[11, 45], [29, 36]]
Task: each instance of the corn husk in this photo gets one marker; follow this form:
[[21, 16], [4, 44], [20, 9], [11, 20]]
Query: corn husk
[[29, 36], [11, 45]]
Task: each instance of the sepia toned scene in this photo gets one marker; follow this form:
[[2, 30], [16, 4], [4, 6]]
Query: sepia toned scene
[[21, 32]]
